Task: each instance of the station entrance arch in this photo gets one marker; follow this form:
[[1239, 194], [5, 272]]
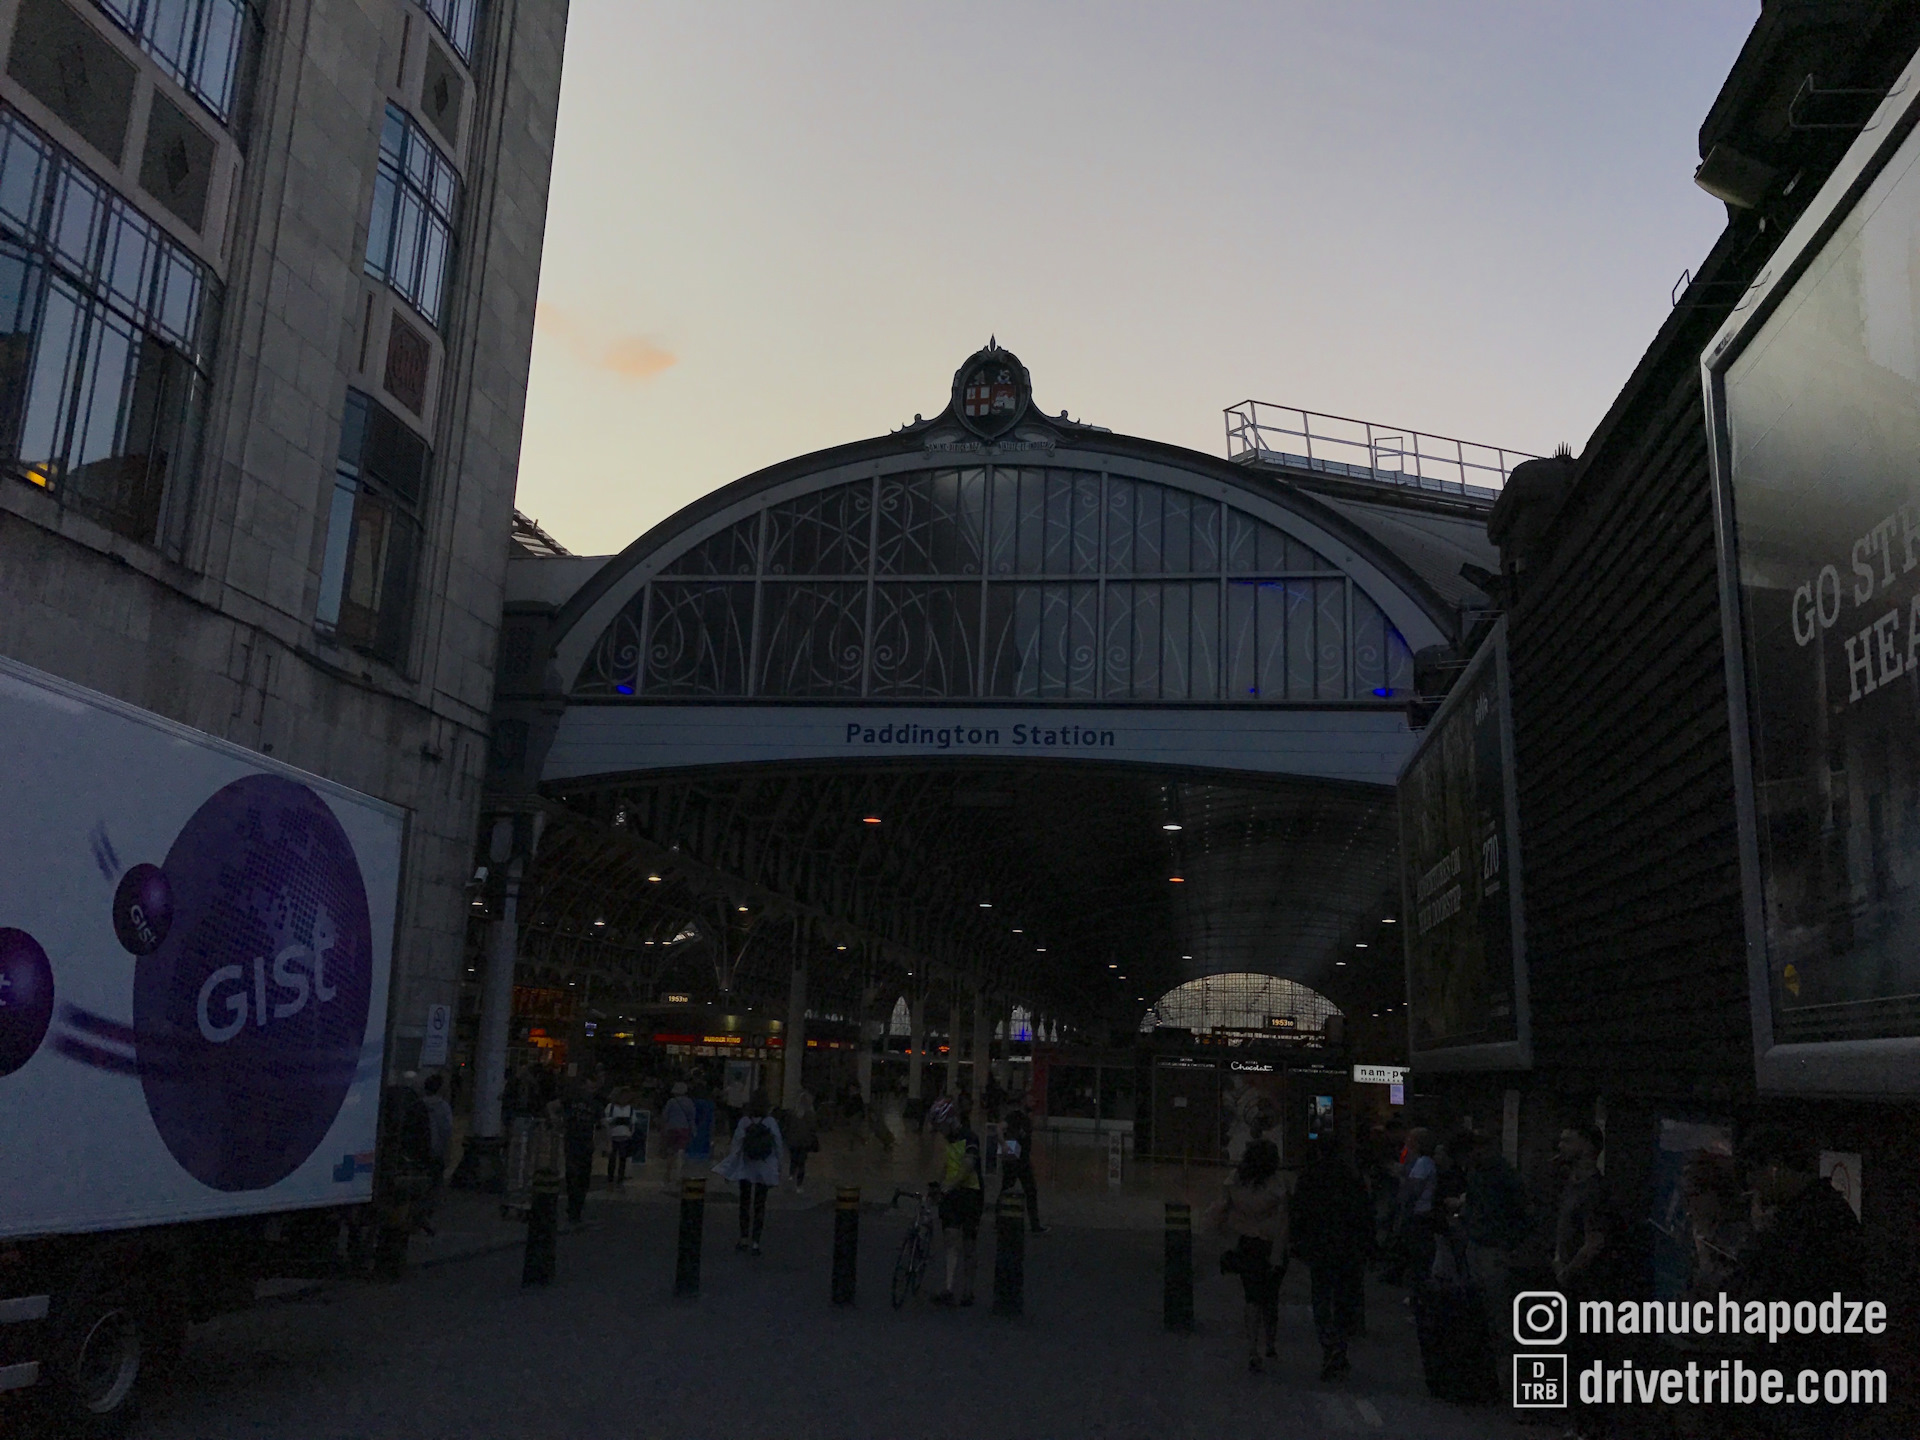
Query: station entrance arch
[[1000, 706]]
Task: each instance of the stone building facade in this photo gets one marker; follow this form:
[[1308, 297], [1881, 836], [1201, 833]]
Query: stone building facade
[[267, 283]]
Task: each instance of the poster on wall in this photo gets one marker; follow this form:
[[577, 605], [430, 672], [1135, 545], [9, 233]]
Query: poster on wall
[[1460, 878], [1816, 400]]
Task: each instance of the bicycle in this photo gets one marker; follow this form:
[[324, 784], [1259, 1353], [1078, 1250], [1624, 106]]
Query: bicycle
[[917, 1248]]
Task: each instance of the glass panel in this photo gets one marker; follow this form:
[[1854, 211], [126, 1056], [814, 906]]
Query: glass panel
[[932, 523], [1176, 542], [1330, 598], [1300, 642], [1133, 640], [1175, 600], [55, 358], [825, 533], [730, 552], [813, 639], [1045, 641], [1205, 551], [1399, 664], [23, 166], [380, 229], [1149, 503], [1002, 551], [698, 638], [1369, 649], [333, 565], [20, 276], [925, 640], [1120, 524], [1203, 655]]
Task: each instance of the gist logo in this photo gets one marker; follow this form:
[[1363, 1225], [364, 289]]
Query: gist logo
[[251, 1010], [299, 973]]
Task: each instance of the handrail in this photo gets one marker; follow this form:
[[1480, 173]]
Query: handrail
[[1264, 433]]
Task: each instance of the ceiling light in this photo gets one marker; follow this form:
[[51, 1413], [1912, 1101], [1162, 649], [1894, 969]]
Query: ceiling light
[[1389, 920], [1339, 962], [743, 909], [839, 947], [654, 876], [1113, 967], [1170, 826], [1359, 944], [869, 819], [1176, 879], [1186, 957], [599, 922], [1039, 949], [986, 905], [1018, 931]]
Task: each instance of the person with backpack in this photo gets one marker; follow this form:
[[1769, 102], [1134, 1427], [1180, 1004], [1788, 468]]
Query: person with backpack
[[754, 1164], [963, 1200], [618, 1118]]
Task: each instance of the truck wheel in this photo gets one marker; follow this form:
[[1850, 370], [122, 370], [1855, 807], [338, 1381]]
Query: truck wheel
[[98, 1335]]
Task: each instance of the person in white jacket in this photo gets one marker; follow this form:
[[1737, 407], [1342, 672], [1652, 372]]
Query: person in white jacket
[[754, 1163]]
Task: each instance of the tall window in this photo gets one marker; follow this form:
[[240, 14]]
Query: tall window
[[203, 44], [416, 199], [106, 338], [373, 533], [458, 20]]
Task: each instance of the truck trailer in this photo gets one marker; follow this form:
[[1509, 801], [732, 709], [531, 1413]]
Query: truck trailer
[[195, 948]]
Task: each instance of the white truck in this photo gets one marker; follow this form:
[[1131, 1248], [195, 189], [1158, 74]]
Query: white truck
[[195, 947]]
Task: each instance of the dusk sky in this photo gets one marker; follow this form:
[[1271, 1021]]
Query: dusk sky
[[778, 227]]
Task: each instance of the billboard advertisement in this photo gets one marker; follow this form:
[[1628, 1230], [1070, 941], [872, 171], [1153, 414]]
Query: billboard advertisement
[[195, 946], [1460, 876], [1814, 391]]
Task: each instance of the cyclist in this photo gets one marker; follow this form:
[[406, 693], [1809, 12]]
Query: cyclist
[[962, 1201]]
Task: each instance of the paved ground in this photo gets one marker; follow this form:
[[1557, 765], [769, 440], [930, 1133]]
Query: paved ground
[[460, 1349]]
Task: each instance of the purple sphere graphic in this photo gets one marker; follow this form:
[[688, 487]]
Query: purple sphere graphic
[[252, 1011], [26, 998], [142, 909]]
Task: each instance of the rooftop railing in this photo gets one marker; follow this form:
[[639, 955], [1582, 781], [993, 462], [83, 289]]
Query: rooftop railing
[[1261, 433]]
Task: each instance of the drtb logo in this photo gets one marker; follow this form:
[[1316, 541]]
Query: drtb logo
[[1540, 1382]]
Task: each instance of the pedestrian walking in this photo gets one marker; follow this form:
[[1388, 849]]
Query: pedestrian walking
[[1252, 1213], [676, 1130], [802, 1134], [1806, 1247], [1017, 1164], [963, 1199], [1414, 1212], [618, 1117], [753, 1163], [1330, 1219], [440, 1133], [580, 1123], [1494, 1214]]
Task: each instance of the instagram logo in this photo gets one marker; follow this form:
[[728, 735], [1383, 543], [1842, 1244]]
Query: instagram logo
[[1539, 1317]]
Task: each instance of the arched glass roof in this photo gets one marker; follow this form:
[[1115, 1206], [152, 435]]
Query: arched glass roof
[[1059, 581], [1241, 1001]]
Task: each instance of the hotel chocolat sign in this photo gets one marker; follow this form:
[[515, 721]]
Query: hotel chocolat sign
[[1459, 874], [1819, 469]]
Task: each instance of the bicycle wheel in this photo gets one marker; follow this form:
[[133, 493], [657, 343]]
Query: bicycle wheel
[[907, 1269]]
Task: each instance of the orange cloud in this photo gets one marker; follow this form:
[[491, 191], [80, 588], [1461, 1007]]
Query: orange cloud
[[636, 357], [633, 357]]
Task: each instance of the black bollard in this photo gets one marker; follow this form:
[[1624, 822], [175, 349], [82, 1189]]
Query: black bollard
[[543, 1228], [846, 1242], [693, 1221], [1179, 1302], [1010, 1256]]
